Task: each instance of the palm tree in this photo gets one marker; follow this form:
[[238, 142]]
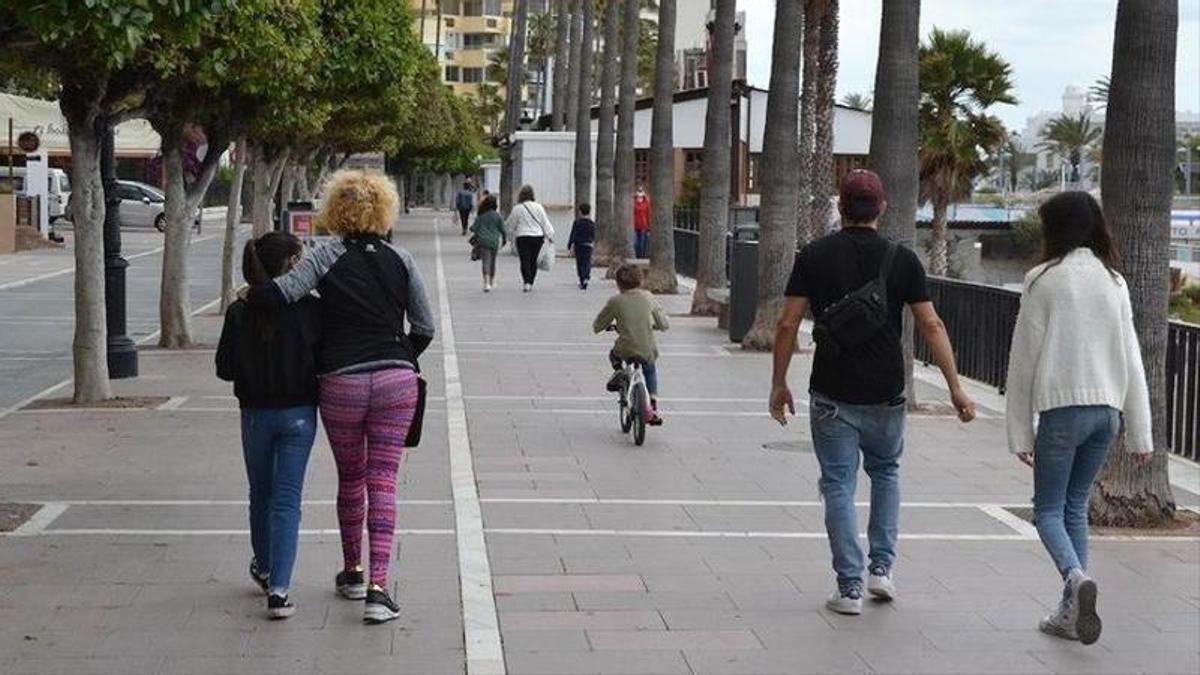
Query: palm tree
[[858, 101], [583, 108], [811, 42], [1137, 184], [960, 79], [716, 169], [561, 58], [619, 235], [780, 163], [540, 47], [895, 136], [662, 278], [1098, 92], [822, 166], [573, 72], [1015, 159], [1068, 136], [604, 131], [516, 72]]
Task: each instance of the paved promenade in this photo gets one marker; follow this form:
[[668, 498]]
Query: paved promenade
[[535, 538]]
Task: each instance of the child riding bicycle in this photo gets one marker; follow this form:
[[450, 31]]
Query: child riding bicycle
[[635, 316]]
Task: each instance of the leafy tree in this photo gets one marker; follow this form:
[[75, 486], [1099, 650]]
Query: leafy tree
[[960, 79], [858, 101], [1068, 136]]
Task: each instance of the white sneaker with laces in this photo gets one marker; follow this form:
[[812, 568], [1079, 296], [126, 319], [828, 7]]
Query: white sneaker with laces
[[847, 602], [881, 586]]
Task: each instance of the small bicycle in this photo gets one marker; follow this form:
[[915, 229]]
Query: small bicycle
[[634, 399]]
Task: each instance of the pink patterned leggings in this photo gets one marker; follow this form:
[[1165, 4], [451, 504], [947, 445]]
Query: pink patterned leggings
[[367, 416]]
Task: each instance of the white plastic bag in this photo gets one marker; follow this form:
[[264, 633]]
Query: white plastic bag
[[546, 257]]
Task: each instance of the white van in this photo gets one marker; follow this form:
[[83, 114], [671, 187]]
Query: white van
[[58, 188]]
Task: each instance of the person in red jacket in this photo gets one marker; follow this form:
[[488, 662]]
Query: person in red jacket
[[641, 223]]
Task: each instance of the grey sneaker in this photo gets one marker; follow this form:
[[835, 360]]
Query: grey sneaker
[[351, 585], [845, 601], [380, 607], [1083, 599], [880, 584]]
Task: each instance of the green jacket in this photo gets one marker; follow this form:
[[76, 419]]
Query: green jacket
[[489, 228], [637, 316]]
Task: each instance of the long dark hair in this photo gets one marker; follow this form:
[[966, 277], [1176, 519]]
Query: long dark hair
[[488, 203], [1072, 220], [263, 259]]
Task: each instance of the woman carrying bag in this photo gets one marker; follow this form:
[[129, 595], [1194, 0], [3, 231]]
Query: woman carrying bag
[[487, 238], [531, 229]]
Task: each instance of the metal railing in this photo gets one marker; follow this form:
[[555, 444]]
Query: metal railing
[[687, 234], [1183, 389]]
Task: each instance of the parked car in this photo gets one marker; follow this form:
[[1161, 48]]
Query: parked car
[[142, 205], [58, 189]]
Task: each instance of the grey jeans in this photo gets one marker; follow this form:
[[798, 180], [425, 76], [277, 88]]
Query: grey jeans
[[487, 258]]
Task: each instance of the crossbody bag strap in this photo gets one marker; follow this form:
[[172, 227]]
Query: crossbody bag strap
[[535, 218], [886, 267]]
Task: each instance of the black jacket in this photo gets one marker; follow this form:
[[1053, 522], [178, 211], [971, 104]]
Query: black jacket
[[270, 354]]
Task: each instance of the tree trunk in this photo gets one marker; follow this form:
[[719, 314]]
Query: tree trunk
[[287, 190], [662, 277], [575, 51], [715, 170], [1138, 185], [939, 259], [512, 114], [90, 346], [267, 173], [604, 133], [562, 55], [780, 164], [228, 285], [619, 235], [822, 166], [583, 105], [808, 116], [894, 137]]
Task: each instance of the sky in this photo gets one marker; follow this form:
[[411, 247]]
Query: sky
[[1049, 43]]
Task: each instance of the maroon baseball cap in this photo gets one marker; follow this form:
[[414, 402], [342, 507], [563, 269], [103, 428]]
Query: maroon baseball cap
[[863, 187]]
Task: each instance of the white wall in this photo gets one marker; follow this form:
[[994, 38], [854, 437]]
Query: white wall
[[546, 161]]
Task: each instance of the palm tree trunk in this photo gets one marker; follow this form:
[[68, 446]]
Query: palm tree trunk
[[808, 116], [1138, 185], [604, 132], [822, 166], [232, 217], [512, 114], [715, 170], [562, 54], [662, 277], [895, 136], [939, 259], [781, 162], [575, 48], [583, 106], [619, 235]]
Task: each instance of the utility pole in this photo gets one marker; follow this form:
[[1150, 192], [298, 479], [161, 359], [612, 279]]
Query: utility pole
[[122, 351]]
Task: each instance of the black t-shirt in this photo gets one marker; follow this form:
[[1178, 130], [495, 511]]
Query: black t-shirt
[[828, 269]]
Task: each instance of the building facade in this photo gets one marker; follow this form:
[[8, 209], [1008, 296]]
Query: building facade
[[464, 35]]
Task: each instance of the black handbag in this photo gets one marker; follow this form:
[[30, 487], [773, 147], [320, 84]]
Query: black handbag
[[413, 438], [853, 320]]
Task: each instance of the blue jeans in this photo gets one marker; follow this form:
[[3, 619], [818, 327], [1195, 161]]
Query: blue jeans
[[649, 372], [276, 443], [841, 432], [1067, 455], [641, 243]]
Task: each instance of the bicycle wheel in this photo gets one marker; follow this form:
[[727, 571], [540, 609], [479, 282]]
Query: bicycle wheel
[[626, 415], [637, 411]]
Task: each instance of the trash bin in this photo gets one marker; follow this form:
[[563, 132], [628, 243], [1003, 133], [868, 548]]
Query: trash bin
[[743, 280]]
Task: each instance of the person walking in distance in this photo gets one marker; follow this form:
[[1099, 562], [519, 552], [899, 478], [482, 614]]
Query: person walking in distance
[[270, 356], [530, 227], [489, 236], [464, 202], [1076, 365], [641, 223], [376, 322], [857, 283], [582, 244]]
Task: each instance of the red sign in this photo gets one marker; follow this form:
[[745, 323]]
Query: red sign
[[302, 224], [28, 142]]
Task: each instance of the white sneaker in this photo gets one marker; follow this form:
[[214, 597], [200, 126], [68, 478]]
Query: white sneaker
[[487, 288], [1083, 592], [845, 602], [881, 586]]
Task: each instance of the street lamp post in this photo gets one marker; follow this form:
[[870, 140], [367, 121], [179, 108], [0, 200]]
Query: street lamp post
[[122, 352]]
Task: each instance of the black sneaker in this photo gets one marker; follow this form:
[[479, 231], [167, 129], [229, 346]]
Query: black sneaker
[[263, 580], [279, 607], [351, 585], [616, 382], [380, 607]]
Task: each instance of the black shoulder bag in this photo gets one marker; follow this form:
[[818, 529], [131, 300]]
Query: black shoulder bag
[[852, 321], [413, 438]]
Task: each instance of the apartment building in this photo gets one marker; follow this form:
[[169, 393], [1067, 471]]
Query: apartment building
[[463, 34]]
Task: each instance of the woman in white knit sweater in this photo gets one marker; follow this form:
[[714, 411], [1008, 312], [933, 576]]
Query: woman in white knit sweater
[[1075, 365]]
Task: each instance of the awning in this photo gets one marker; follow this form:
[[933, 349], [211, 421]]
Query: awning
[[133, 139]]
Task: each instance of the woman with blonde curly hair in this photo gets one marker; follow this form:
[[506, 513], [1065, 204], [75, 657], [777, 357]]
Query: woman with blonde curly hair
[[367, 361]]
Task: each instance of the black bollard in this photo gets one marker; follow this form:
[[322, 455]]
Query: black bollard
[[122, 351]]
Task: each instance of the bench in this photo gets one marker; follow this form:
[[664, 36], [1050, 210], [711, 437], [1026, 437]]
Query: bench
[[721, 297]]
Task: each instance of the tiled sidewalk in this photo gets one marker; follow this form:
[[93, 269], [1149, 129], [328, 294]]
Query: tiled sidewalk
[[700, 552]]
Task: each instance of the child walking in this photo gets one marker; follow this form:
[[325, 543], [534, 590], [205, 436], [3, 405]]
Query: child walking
[[269, 355], [582, 243], [636, 316]]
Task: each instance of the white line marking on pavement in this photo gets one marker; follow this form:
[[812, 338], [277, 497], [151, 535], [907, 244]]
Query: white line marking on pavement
[[1018, 524], [667, 412], [40, 520], [173, 403], [731, 503], [481, 626], [223, 502], [73, 532], [708, 534], [71, 270]]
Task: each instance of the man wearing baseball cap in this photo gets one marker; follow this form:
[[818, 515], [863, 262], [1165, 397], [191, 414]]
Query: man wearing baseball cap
[[857, 283]]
